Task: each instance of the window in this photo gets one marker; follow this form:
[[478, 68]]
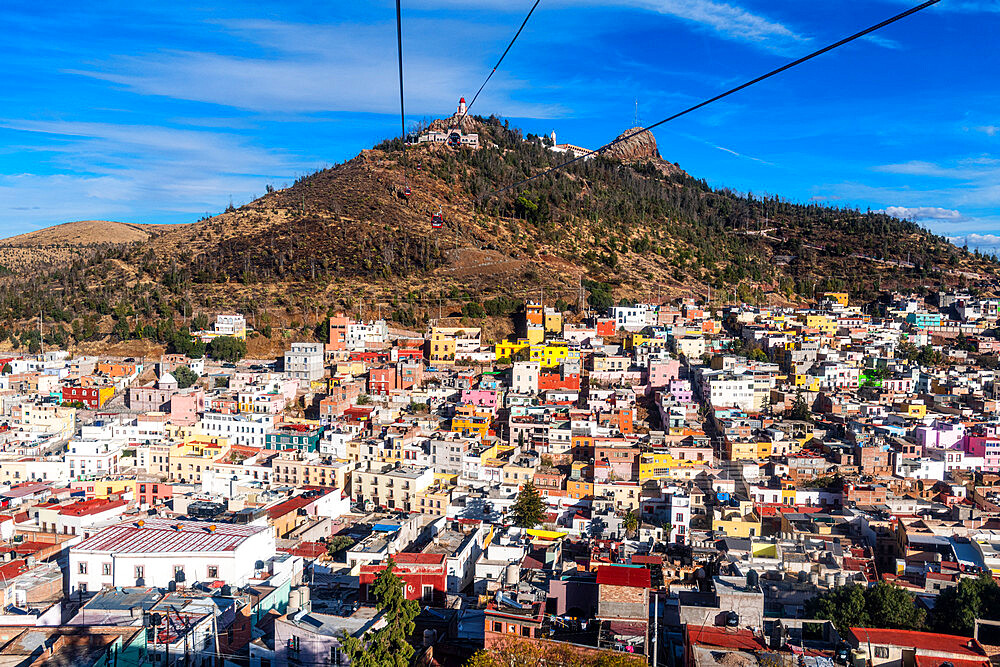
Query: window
[[106, 569], [140, 572], [83, 568], [213, 571], [497, 627], [293, 645], [881, 651], [178, 569], [82, 587]]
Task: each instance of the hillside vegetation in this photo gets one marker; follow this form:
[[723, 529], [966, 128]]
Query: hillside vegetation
[[344, 238]]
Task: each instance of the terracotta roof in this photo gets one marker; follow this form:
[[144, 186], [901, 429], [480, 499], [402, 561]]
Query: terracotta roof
[[928, 641], [733, 638]]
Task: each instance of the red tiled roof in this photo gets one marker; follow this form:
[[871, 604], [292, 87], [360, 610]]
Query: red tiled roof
[[93, 506], [928, 641], [622, 575]]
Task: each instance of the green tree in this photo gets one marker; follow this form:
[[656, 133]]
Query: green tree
[[227, 348], [185, 377], [528, 509], [7, 370], [388, 646], [631, 523], [883, 605], [800, 410], [958, 607]]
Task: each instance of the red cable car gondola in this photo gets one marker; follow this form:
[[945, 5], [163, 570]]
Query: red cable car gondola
[[437, 220], [407, 192]]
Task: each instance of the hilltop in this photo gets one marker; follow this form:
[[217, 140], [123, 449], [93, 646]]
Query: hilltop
[[627, 225]]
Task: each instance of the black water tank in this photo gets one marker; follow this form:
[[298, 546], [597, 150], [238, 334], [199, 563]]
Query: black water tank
[[172, 586]]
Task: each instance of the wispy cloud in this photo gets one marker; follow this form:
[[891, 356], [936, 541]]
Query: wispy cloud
[[727, 20], [884, 42], [990, 130], [315, 68], [185, 172]]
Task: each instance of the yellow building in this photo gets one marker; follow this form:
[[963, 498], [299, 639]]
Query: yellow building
[[737, 521], [741, 450], [508, 349], [434, 500], [553, 321], [552, 354], [661, 465], [824, 323], [469, 420], [196, 454], [838, 297], [915, 409]]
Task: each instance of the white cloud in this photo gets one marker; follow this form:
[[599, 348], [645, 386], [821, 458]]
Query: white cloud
[[884, 42], [917, 168], [921, 213], [158, 171], [728, 21], [990, 130], [323, 68]]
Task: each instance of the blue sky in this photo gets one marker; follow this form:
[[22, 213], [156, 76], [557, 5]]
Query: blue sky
[[162, 112]]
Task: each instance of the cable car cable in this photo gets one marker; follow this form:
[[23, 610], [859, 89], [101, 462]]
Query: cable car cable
[[495, 67], [779, 70], [402, 112]]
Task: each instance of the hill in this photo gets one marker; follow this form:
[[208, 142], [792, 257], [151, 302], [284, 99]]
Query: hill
[[627, 225], [84, 233], [62, 244]]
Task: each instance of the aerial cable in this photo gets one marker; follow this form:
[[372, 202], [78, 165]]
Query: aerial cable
[[495, 67], [626, 137], [402, 112]]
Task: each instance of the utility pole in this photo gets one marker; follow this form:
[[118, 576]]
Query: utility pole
[[656, 644], [41, 338]]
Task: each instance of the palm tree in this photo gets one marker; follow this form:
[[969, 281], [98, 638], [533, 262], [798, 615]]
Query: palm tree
[[631, 523]]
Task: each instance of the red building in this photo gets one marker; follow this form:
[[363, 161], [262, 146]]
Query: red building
[[152, 493], [382, 380], [425, 577]]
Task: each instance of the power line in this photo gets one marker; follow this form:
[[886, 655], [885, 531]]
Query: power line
[[402, 112], [830, 47], [495, 67]]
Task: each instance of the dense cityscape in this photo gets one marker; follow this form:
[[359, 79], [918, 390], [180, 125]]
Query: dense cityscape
[[670, 483]]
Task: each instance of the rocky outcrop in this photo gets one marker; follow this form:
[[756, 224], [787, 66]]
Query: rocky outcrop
[[640, 147]]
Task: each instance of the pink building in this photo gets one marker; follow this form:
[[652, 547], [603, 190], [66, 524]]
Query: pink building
[[680, 390], [939, 435], [185, 406], [481, 398], [662, 371]]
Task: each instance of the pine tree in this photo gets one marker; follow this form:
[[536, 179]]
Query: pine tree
[[389, 645], [528, 509]]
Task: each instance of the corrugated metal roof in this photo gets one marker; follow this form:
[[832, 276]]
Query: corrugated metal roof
[[164, 536], [623, 575]]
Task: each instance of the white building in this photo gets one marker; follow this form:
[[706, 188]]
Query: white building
[[231, 325], [247, 430], [93, 457], [305, 361], [361, 335], [724, 389], [634, 318], [524, 377], [158, 551]]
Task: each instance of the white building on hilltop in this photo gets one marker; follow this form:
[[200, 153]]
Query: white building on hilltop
[[154, 552], [453, 137]]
